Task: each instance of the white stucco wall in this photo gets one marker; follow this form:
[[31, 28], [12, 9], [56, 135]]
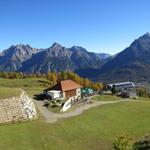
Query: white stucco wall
[[63, 93], [78, 92]]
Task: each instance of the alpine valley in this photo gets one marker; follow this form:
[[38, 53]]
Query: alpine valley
[[133, 63]]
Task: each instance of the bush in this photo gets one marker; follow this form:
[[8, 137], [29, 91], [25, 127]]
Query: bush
[[142, 92], [123, 142]]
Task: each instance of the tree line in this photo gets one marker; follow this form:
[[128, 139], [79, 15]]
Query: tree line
[[54, 77], [64, 75], [20, 75], [143, 92]]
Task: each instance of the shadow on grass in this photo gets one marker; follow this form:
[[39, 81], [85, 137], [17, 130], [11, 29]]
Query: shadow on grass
[[40, 97], [44, 83]]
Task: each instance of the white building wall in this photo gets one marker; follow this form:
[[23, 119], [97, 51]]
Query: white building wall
[[63, 94], [78, 92]]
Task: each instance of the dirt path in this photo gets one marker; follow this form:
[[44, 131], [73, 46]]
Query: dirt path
[[51, 117]]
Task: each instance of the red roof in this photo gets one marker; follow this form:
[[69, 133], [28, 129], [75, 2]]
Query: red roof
[[68, 85]]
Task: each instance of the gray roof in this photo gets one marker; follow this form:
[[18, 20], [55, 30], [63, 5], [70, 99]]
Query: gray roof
[[123, 85]]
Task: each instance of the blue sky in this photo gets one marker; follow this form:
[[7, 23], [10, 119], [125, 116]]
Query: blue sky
[[98, 25]]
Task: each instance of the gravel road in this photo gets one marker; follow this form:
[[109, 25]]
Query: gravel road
[[51, 117]]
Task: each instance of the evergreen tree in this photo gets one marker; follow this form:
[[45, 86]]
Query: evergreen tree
[[114, 90]]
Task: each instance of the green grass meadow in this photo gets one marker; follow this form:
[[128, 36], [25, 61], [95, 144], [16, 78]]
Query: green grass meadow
[[106, 98], [6, 92], [95, 129], [31, 85]]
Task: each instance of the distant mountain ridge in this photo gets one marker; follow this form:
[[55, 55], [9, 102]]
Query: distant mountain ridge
[[133, 63], [24, 58], [11, 59]]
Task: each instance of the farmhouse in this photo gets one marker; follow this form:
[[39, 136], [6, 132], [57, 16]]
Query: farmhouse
[[65, 89]]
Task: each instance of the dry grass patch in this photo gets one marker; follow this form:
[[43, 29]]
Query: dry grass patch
[[9, 92]]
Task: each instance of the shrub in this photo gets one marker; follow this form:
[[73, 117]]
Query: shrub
[[123, 142], [143, 92], [114, 90]]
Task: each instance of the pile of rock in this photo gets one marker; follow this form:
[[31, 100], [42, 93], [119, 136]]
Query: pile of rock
[[17, 109], [28, 106]]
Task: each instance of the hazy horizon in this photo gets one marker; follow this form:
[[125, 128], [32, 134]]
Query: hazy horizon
[[99, 26]]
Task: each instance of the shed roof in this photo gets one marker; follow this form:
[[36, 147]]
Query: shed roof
[[67, 85]]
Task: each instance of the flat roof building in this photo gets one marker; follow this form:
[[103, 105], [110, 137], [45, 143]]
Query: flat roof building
[[122, 85]]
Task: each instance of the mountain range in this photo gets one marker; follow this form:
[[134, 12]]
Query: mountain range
[[132, 64], [24, 58]]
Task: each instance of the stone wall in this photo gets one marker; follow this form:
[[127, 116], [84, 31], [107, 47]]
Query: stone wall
[[28, 107], [17, 109]]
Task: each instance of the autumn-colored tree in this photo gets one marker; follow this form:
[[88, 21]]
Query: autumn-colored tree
[[11, 75], [81, 81], [16, 75], [99, 86], [5, 75], [70, 75], [86, 82], [142, 92], [49, 76], [52, 77], [62, 75], [76, 79]]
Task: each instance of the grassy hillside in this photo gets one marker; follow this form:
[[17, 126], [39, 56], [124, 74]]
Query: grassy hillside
[[6, 92], [28, 82], [95, 129], [30, 85], [106, 98]]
